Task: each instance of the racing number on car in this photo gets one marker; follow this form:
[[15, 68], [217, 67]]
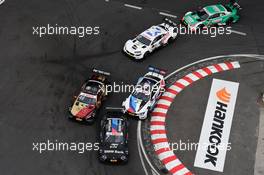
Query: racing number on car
[[154, 33]]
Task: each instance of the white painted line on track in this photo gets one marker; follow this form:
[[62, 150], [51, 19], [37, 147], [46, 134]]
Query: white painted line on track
[[167, 14], [239, 33], [133, 6], [259, 160], [141, 148], [141, 159]]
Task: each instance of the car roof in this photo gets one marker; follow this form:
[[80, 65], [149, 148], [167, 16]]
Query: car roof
[[115, 125], [213, 9], [150, 80], [92, 86], [153, 32]]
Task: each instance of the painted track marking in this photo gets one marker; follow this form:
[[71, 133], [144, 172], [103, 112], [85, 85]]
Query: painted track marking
[[141, 148], [239, 33], [167, 14], [133, 6]]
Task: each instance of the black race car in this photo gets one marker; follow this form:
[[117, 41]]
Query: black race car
[[90, 98], [114, 138]]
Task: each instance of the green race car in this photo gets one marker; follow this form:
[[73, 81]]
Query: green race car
[[212, 15]]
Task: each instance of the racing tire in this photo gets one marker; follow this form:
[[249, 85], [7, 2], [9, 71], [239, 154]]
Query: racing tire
[[170, 40], [229, 21], [91, 119], [201, 26], [146, 55], [70, 116]]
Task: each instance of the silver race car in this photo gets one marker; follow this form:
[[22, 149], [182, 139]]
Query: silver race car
[[145, 94], [151, 39]]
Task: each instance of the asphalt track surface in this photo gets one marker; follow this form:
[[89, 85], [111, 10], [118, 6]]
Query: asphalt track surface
[[39, 76]]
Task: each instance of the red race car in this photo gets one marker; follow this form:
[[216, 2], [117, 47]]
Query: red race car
[[90, 98]]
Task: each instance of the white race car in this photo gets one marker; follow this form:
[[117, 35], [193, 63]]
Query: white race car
[[145, 94], [151, 39]]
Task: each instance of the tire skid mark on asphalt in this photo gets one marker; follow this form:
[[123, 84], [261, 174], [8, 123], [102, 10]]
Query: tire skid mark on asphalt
[[158, 116]]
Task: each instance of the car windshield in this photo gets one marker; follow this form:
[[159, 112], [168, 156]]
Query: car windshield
[[144, 89], [202, 14], [143, 40], [140, 95], [87, 99], [92, 87]]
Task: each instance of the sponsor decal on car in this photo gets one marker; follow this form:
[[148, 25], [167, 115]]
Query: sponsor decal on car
[[217, 124]]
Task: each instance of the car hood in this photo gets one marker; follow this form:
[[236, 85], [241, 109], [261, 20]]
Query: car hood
[[134, 46], [135, 104], [81, 110], [191, 18]]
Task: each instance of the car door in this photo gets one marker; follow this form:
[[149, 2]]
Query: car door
[[157, 42], [99, 98], [225, 16], [215, 19]]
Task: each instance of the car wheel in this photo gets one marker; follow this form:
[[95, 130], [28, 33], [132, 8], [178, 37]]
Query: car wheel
[[70, 116], [91, 119], [229, 21], [201, 26], [146, 54], [170, 40]]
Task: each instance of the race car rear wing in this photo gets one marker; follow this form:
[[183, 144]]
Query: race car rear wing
[[101, 72], [117, 111], [157, 70], [113, 108], [234, 4]]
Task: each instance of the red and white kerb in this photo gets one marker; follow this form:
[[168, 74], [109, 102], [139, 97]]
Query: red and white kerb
[[158, 116]]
